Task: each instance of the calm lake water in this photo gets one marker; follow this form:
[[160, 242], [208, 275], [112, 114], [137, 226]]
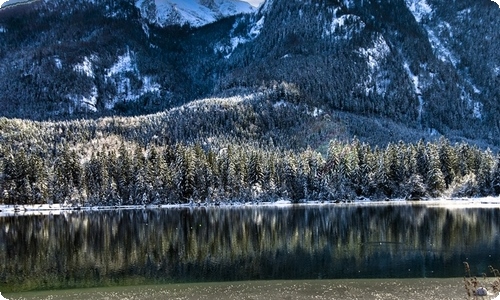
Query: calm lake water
[[220, 244]]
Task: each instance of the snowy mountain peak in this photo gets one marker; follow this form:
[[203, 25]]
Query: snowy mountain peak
[[192, 12]]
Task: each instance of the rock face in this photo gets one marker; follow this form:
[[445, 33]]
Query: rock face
[[192, 12]]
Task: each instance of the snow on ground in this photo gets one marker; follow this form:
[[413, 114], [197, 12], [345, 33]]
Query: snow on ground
[[476, 107], [266, 6], [256, 29], [445, 55], [4, 3], [255, 3], [375, 54], [280, 103], [57, 209], [349, 4], [233, 7], [476, 111]]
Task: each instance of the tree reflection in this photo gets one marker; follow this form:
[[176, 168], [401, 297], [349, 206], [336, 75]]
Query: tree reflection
[[82, 249]]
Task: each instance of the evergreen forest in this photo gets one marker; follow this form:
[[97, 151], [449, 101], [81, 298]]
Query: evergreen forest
[[323, 100], [226, 150]]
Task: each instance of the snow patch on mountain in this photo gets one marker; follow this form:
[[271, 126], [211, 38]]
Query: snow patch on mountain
[[86, 102], [442, 52], [257, 27], [465, 95], [416, 85], [344, 26], [374, 57], [477, 110], [195, 13], [130, 85], [124, 64], [237, 39], [11, 3], [496, 71], [419, 8], [85, 67], [266, 6], [375, 54], [58, 62]]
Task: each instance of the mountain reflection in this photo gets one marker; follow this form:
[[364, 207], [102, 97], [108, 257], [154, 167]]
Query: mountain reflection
[[82, 249]]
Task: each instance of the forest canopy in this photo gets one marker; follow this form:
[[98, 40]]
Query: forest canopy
[[225, 150]]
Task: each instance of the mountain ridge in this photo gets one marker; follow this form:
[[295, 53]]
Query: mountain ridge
[[193, 12], [414, 62]]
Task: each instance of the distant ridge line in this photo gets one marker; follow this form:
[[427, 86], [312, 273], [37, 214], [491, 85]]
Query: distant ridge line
[[7, 5]]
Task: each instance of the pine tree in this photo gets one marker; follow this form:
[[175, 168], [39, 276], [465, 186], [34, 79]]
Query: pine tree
[[448, 160], [435, 179], [495, 176], [123, 172], [255, 169], [484, 174]]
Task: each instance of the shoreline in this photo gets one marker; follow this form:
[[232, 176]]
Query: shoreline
[[389, 288], [57, 209]]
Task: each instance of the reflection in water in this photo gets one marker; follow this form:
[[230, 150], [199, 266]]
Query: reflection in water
[[240, 243]]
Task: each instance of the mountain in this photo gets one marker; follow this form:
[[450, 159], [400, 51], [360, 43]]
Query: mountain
[[179, 12], [192, 12], [426, 64], [380, 70]]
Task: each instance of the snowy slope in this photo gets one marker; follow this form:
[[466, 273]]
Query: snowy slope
[[179, 12], [5, 3], [193, 12]]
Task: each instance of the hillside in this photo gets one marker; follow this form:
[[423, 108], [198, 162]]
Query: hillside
[[250, 148], [432, 69], [415, 62]]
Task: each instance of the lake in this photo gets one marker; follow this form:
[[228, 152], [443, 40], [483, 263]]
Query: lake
[[203, 250]]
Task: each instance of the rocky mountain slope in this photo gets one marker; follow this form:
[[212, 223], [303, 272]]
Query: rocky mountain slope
[[192, 12], [425, 65]]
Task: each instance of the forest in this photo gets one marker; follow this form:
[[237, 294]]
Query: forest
[[344, 102], [225, 150]]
